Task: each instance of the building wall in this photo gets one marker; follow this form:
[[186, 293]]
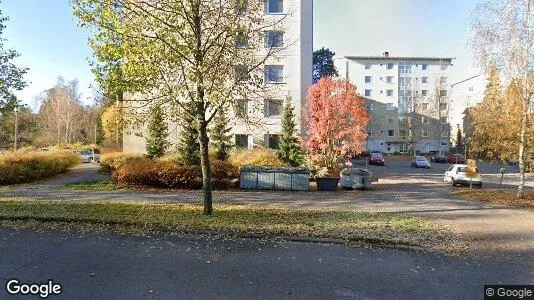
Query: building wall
[[385, 103], [296, 57]]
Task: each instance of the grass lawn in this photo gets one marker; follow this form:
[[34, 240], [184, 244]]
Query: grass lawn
[[103, 185], [228, 219], [504, 197]]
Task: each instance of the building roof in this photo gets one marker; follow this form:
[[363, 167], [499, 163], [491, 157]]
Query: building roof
[[378, 57]]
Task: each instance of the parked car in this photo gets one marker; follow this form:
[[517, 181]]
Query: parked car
[[377, 159], [456, 175], [438, 158], [420, 162], [89, 155], [455, 158]]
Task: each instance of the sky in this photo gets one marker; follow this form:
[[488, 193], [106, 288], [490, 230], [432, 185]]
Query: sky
[[51, 44]]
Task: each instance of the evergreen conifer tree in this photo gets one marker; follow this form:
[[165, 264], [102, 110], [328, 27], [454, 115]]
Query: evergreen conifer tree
[[188, 145], [289, 149], [157, 139], [220, 135]]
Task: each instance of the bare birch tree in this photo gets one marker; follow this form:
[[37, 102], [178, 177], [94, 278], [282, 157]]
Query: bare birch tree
[[502, 35]]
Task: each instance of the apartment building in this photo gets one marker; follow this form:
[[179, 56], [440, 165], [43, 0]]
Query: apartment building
[[257, 122], [408, 99]]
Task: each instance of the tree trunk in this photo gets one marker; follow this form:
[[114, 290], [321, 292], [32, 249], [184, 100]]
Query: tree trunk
[[522, 134], [206, 169]]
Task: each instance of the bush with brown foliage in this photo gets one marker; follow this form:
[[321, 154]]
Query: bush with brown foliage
[[114, 160], [256, 157], [26, 165], [166, 174]]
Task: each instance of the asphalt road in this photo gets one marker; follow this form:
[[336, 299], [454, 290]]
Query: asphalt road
[[91, 266]]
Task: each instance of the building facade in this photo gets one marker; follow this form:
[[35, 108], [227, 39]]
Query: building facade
[[287, 75], [408, 99]]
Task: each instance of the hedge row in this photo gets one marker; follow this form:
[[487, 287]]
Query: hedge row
[[27, 166], [164, 174], [114, 160]]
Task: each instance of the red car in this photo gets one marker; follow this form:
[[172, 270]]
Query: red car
[[377, 159], [455, 158]]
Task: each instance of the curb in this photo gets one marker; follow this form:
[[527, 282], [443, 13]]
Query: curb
[[291, 238], [307, 239]]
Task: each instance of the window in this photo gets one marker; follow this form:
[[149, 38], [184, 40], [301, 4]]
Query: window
[[443, 106], [443, 80], [369, 106], [241, 41], [274, 39], [424, 120], [424, 133], [404, 81], [389, 93], [274, 6], [389, 66], [274, 74], [241, 73], [241, 108], [367, 93], [424, 79], [242, 6], [273, 108], [273, 141], [424, 106], [405, 93], [389, 79], [443, 93], [443, 67], [443, 120], [391, 120], [367, 79], [405, 68], [424, 93], [424, 67], [241, 141], [367, 66], [391, 132], [402, 134], [389, 106]]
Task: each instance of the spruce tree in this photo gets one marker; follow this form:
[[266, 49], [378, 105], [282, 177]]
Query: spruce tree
[[220, 135], [157, 139], [188, 145], [289, 149]]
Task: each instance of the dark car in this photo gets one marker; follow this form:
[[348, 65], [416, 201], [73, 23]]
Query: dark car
[[455, 158], [377, 159], [438, 158]]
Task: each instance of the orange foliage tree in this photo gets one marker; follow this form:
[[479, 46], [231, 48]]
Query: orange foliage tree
[[335, 120]]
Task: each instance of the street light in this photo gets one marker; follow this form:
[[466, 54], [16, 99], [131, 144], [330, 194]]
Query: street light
[[16, 109]]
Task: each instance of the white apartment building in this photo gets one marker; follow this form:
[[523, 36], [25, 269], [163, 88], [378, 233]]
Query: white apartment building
[[407, 99], [288, 73]]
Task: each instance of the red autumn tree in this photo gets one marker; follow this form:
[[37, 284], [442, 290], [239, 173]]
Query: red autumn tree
[[335, 121]]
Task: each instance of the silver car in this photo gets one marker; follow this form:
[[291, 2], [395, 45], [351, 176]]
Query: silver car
[[89, 156], [420, 162]]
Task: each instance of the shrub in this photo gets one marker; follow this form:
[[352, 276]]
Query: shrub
[[255, 157], [165, 174], [27, 166], [114, 160]]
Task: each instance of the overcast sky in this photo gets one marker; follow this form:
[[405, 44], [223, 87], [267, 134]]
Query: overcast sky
[[45, 33]]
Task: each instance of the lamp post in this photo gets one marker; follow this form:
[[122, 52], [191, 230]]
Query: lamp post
[[16, 109]]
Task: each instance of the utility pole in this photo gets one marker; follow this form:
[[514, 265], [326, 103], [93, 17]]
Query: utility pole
[[16, 126]]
